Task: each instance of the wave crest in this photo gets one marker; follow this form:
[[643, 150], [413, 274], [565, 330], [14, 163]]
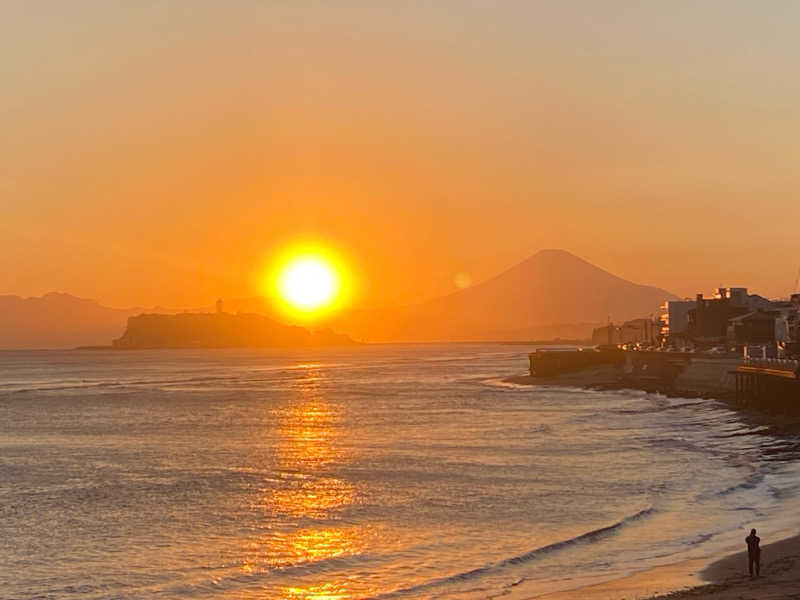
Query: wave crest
[[587, 537]]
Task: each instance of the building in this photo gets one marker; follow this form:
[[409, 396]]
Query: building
[[637, 331], [787, 320], [735, 317], [647, 331], [708, 320], [756, 327], [738, 296], [675, 319], [731, 317], [606, 336]]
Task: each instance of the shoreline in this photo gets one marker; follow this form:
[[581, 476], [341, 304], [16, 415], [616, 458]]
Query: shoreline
[[727, 577], [609, 378], [720, 576]]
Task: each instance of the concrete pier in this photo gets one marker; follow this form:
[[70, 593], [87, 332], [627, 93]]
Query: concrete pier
[[772, 385], [549, 363]]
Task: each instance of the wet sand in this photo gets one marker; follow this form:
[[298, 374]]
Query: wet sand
[[725, 578], [729, 580]]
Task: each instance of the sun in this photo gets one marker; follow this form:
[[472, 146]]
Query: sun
[[309, 283]]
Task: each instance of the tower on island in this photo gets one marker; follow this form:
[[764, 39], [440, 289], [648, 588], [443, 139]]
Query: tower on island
[[220, 306]]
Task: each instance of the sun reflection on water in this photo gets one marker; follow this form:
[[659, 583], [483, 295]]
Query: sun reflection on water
[[313, 498], [306, 493], [309, 432], [325, 591], [288, 549]]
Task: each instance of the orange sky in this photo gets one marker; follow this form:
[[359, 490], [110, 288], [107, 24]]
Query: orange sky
[[160, 153]]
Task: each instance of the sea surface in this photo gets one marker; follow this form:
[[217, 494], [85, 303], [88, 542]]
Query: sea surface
[[407, 472]]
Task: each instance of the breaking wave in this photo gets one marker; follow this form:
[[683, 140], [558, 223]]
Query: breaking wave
[[593, 536]]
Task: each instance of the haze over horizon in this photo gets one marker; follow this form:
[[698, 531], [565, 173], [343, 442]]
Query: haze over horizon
[[313, 299], [160, 154], [552, 294]]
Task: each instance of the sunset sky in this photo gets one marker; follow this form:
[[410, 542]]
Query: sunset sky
[[164, 152]]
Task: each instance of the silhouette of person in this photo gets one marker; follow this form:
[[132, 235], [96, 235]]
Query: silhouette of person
[[753, 552]]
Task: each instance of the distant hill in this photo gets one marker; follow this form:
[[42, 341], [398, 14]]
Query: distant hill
[[551, 294], [58, 320], [223, 330]]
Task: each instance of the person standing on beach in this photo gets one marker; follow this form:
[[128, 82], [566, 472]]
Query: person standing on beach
[[753, 552]]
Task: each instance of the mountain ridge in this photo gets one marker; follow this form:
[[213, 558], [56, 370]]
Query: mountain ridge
[[552, 293], [58, 320]]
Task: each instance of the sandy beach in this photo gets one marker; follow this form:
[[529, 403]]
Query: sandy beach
[[728, 578], [725, 578]]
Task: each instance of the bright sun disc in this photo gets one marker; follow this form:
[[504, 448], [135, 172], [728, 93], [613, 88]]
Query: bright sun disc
[[309, 284]]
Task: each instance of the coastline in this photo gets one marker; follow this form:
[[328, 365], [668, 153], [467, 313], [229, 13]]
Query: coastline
[[727, 577], [601, 377], [721, 576], [702, 378]]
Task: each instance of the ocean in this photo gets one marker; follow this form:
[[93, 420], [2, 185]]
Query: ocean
[[387, 471]]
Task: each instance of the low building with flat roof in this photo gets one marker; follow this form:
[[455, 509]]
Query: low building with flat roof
[[756, 327], [637, 331]]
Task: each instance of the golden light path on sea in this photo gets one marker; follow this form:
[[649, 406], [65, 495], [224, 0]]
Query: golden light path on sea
[[309, 432]]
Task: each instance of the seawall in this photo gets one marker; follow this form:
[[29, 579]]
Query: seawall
[[672, 373], [682, 373], [771, 386]]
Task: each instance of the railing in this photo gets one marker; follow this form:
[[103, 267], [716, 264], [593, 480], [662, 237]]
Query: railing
[[772, 367], [783, 364]]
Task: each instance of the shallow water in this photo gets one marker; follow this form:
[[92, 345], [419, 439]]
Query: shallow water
[[372, 472]]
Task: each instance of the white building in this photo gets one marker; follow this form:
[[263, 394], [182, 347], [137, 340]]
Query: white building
[[676, 317]]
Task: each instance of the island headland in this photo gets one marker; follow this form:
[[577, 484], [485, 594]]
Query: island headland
[[220, 330]]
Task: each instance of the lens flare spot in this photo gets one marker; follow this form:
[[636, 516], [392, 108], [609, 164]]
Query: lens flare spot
[[462, 280]]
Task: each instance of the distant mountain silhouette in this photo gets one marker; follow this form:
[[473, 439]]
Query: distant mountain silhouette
[[58, 320], [551, 294]]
